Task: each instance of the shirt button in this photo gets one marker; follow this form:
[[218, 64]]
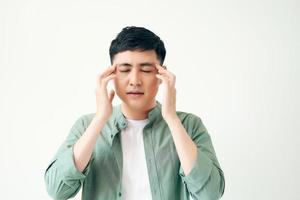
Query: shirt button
[[120, 194], [111, 135]]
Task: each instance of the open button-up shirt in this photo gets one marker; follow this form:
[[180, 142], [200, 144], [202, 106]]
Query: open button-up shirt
[[102, 178]]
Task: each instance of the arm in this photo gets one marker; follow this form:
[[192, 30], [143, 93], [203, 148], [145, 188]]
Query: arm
[[83, 148], [63, 180], [186, 148], [67, 171], [200, 169]]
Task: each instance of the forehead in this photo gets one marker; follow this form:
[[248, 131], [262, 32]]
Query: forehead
[[136, 57]]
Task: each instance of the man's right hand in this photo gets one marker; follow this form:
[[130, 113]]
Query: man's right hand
[[103, 98], [83, 148]]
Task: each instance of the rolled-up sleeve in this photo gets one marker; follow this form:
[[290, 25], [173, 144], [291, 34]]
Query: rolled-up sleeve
[[206, 179], [62, 178]]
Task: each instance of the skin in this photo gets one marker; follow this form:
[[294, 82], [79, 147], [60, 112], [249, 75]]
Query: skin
[[136, 70]]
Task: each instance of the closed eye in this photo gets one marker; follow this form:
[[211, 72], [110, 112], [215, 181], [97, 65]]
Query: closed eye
[[125, 70], [128, 70], [147, 69]]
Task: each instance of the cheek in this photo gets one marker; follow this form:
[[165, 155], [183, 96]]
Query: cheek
[[155, 81], [153, 85], [119, 80]]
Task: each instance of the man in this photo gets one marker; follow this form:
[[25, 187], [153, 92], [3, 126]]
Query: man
[[140, 149]]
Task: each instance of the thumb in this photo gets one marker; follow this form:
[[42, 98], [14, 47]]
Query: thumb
[[111, 95]]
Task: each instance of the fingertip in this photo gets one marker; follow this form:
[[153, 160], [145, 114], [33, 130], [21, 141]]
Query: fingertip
[[161, 67], [113, 66]]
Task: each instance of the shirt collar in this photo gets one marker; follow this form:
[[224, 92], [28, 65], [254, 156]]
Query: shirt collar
[[119, 120]]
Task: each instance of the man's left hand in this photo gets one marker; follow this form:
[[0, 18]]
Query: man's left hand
[[169, 93]]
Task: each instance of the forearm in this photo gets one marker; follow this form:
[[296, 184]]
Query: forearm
[[186, 148], [83, 148]]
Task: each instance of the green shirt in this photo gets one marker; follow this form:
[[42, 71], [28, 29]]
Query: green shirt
[[101, 179]]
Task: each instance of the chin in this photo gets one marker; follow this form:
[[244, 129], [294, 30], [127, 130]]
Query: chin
[[139, 105], [136, 105]]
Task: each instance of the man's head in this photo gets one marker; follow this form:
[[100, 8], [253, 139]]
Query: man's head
[[134, 38], [136, 51]]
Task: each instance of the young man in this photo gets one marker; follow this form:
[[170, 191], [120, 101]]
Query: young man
[[140, 149]]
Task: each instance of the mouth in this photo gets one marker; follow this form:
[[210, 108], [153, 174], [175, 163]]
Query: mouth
[[134, 93]]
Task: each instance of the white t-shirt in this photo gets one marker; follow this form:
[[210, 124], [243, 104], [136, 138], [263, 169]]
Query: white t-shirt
[[135, 181]]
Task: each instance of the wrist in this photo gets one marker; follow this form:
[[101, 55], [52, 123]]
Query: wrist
[[172, 119], [100, 119]]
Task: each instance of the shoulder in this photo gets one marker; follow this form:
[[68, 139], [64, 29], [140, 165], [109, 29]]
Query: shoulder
[[84, 120], [188, 118], [192, 122]]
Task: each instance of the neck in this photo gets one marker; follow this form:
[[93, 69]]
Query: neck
[[136, 113]]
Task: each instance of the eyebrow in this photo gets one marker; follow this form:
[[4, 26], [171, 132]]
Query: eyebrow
[[144, 64]]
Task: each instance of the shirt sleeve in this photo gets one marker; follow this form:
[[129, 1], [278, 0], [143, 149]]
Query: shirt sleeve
[[62, 178], [206, 179]]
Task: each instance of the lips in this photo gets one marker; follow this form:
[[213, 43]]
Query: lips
[[134, 92]]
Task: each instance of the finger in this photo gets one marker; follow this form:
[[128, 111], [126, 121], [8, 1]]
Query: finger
[[105, 80], [102, 84], [160, 69], [166, 79], [162, 77], [107, 71], [163, 70], [161, 66], [111, 95]]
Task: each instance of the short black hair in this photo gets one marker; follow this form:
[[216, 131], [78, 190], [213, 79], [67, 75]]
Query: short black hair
[[137, 38]]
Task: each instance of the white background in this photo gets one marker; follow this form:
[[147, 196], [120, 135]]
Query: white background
[[237, 67]]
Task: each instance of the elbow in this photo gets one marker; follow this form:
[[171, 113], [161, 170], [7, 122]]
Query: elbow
[[214, 187], [58, 189], [56, 195], [61, 191], [221, 184], [217, 189], [52, 187]]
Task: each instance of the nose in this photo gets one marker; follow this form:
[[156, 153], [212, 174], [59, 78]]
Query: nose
[[134, 78]]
